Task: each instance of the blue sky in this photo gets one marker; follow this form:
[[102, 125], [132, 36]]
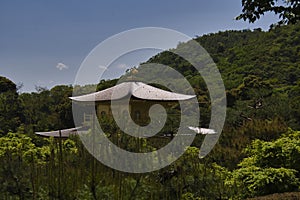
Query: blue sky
[[43, 43]]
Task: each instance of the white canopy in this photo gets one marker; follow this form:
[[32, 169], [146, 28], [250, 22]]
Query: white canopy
[[137, 89]]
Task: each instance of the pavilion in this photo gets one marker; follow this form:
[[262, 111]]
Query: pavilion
[[142, 97]]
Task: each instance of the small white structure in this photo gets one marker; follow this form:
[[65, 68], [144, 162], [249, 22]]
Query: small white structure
[[203, 131], [60, 133]]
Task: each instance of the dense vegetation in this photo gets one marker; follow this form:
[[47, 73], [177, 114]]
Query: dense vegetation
[[258, 152]]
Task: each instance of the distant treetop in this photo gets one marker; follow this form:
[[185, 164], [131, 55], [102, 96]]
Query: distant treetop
[[7, 85]]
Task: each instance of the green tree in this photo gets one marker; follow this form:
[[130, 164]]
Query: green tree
[[254, 181], [48, 109], [61, 108], [10, 108], [288, 10], [20, 162], [271, 167]]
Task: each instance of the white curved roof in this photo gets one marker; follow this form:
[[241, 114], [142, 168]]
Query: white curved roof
[[137, 89]]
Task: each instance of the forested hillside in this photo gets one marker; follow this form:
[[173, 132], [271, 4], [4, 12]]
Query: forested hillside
[[255, 66], [258, 152], [261, 72]]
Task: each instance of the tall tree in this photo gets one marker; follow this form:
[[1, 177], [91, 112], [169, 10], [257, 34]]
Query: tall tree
[[10, 108], [61, 106]]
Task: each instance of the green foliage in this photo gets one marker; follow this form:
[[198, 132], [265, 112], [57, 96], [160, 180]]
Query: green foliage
[[7, 85], [288, 10], [20, 159], [48, 109], [259, 69], [283, 152], [255, 181], [10, 108], [189, 196], [270, 166], [103, 84]]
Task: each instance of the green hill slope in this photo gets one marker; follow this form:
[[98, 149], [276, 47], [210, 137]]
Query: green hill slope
[[261, 73]]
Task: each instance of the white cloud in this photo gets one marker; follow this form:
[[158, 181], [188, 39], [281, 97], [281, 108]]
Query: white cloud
[[102, 67], [61, 66], [122, 66]]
